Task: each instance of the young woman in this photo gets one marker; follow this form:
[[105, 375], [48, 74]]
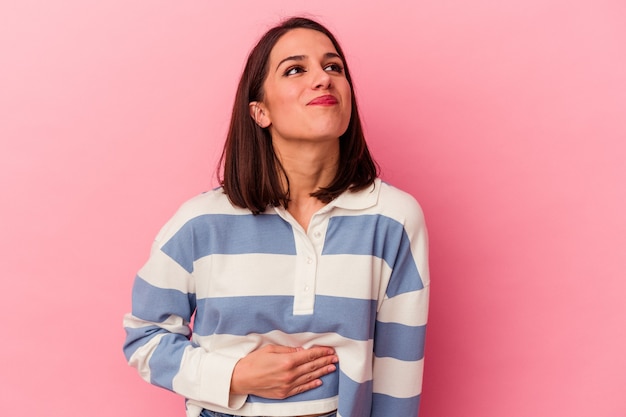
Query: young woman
[[305, 275]]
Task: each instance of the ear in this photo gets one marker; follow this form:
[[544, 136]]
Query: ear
[[258, 112]]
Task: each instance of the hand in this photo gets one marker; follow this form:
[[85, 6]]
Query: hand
[[279, 372]]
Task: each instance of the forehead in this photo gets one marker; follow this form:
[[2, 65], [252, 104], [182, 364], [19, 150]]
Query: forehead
[[301, 42]]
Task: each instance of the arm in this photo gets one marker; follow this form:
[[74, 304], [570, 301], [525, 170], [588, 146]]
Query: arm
[[401, 324], [158, 344], [158, 331]]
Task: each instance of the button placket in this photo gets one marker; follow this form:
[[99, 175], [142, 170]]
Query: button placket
[[308, 248], [306, 270]]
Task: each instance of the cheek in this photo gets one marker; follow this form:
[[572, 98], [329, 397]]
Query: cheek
[[289, 95], [282, 101], [347, 93], [345, 89]]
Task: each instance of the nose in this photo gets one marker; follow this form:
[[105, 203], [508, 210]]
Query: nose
[[321, 79]]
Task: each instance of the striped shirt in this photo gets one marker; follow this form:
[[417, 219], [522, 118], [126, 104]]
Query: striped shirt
[[357, 280]]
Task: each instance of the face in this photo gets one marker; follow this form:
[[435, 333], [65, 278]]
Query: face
[[306, 94]]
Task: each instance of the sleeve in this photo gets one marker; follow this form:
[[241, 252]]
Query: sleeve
[[401, 324], [158, 329]]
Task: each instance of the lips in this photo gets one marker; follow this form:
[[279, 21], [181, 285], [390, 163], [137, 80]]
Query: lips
[[326, 100]]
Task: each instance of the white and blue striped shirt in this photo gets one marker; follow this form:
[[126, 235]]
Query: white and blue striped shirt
[[356, 280]]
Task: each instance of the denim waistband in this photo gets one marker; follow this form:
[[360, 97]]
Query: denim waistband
[[209, 413]]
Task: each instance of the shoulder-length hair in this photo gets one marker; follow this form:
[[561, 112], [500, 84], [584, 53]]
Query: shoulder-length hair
[[253, 176]]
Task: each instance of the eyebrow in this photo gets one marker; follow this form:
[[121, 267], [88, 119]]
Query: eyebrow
[[327, 55]]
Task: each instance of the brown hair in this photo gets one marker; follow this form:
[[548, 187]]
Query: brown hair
[[251, 170]]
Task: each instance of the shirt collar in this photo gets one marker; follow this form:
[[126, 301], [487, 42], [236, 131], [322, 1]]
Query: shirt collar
[[358, 200]]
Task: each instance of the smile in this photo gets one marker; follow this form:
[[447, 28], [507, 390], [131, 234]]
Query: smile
[[326, 100]]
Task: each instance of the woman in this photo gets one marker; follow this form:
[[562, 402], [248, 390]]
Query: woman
[[305, 275]]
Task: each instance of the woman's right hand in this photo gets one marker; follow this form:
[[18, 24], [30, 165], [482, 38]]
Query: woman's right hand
[[278, 372]]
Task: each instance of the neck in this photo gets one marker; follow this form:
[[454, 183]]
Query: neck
[[309, 167]]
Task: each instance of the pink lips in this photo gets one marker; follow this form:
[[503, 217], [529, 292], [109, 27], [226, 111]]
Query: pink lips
[[326, 100]]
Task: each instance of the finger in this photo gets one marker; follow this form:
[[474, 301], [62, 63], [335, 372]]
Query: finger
[[313, 371], [312, 379], [306, 386], [316, 364], [312, 354], [281, 349]]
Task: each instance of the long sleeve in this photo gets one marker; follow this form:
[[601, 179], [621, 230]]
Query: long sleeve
[[235, 276], [401, 324], [158, 332]]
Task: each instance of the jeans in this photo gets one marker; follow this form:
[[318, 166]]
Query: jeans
[[209, 413]]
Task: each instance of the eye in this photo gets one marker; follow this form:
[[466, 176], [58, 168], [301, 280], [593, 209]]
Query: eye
[[333, 67], [294, 70]]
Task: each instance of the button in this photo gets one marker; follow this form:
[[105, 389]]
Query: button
[[306, 288], [309, 260], [317, 234]]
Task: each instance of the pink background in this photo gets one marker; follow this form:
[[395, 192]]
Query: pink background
[[506, 119]]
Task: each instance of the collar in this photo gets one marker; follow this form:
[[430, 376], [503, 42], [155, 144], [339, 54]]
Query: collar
[[358, 200]]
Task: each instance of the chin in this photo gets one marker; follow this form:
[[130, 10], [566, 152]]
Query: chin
[[330, 132], [324, 136]]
